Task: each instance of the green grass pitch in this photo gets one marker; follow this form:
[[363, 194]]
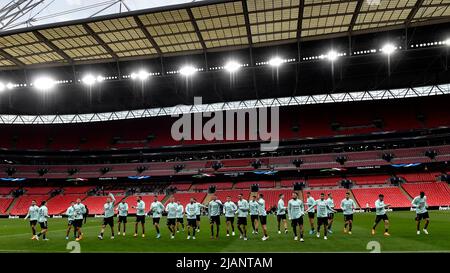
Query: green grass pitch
[[15, 236]]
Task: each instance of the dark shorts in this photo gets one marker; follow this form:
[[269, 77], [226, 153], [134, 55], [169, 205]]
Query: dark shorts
[[70, 222], [198, 217], [33, 222], [297, 222], [140, 219], [254, 217], [43, 225], [421, 216], [348, 217], [311, 215], [108, 221], [230, 219], [215, 220], [78, 223], [322, 221], [330, 215], [192, 222], [171, 221], [263, 219], [180, 220], [281, 217], [122, 219], [242, 221], [156, 220], [381, 217]]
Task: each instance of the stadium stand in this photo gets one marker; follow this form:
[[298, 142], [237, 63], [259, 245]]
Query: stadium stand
[[369, 179], [184, 197], [23, 202], [38, 190], [261, 184], [77, 190], [181, 186], [6, 190], [338, 195], [419, 177], [60, 203], [222, 195], [5, 202], [95, 203], [272, 196], [392, 195], [323, 182], [438, 193], [219, 185], [148, 199]]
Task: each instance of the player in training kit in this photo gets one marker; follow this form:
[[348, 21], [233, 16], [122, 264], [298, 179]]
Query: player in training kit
[[330, 202], [140, 216], [420, 204], [323, 209], [43, 216], [108, 217], [348, 206], [171, 210], [229, 209], [311, 213], [180, 217], [380, 209], [80, 211], [263, 216], [281, 214], [254, 214], [156, 208], [122, 208], [191, 215], [214, 215], [296, 210], [70, 212], [242, 212], [33, 213], [198, 213]]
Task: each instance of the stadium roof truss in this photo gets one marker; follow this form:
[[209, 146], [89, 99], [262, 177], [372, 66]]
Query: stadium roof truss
[[209, 25], [230, 106]]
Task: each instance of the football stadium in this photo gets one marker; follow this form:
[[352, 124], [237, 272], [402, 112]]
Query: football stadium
[[255, 126]]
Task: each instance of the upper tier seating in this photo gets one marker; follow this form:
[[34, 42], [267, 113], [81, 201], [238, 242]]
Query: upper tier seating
[[392, 195], [60, 203], [23, 202], [337, 194], [438, 193], [5, 202]]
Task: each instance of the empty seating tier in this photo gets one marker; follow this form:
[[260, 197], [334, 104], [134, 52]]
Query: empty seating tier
[[438, 193], [392, 195], [337, 194], [24, 202]]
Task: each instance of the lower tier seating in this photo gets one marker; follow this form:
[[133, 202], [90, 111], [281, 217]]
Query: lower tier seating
[[438, 193], [392, 195]]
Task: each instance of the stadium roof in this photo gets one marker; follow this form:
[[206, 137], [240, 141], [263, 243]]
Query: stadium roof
[[210, 25]]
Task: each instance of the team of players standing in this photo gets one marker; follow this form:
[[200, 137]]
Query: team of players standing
[[295, 210]]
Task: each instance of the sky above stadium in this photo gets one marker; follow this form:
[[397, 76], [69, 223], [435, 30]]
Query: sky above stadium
[[52, 11]]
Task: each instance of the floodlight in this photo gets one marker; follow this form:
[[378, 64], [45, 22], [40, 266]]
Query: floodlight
[[276, 61], [44, 83], [140, 75], [447, 42], [232, 66], [9, 86], [388, 49], [188, 70], [89, 79], [100, 78], [2, 87], [332, 55]]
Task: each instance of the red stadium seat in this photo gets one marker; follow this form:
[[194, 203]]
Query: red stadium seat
[[392, 195], [438, 193]]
